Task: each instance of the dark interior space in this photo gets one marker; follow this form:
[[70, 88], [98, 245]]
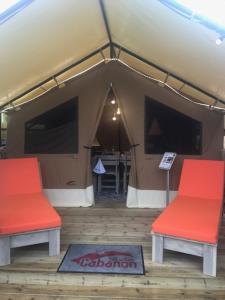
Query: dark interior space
[[111, 146], [169, 130], [111, 133]]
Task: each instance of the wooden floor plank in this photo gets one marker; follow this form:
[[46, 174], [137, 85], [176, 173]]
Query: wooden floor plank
[[33, 276], [73, 292]]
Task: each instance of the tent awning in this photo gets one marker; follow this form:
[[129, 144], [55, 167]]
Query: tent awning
[[49, 36]]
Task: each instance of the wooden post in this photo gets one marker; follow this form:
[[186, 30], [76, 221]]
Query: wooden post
[[157, 248], [54, 242], [209, 259], [4, 250]]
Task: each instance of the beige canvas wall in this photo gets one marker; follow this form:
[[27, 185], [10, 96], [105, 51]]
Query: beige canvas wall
[[131, 89], [59, 171]]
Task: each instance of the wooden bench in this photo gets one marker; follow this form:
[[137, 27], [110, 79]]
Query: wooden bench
[[26, 216], [190, 224]]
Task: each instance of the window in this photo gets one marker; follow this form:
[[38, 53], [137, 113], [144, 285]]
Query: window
[[208, 13], [169, 130], [55, 131], [9, 8]]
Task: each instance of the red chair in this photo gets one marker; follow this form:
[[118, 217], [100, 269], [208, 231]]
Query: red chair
[[190, 224], [26, 216]]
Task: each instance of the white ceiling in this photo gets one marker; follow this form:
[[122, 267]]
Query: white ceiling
[[49, 35]]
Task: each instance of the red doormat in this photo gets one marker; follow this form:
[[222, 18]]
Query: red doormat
[[110, 259]]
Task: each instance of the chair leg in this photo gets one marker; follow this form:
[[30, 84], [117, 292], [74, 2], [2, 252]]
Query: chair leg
[[99, 183], [5, 251], [117, 182], [209, 260], [157, 248], [54, 242]]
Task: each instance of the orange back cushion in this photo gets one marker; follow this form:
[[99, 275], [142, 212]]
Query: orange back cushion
[[202, 178], [19, 176]]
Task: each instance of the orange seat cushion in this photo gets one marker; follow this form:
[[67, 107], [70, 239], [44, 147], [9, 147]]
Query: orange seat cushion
[[196, 212], [202, 178], [190, 218], [27, 212], [19, 176], [23, 207]]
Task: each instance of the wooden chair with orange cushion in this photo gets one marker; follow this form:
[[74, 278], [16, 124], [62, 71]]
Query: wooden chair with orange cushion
[[190, 224], [26, 216]]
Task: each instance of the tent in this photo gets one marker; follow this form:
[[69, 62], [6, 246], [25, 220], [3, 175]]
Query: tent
[[147, 183], [79, 50]]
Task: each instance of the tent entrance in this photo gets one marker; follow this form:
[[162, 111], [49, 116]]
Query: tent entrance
[[111, 158]]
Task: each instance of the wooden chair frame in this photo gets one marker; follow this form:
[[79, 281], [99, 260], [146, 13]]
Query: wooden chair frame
[[207, 251], [110, 161], [51, 236]]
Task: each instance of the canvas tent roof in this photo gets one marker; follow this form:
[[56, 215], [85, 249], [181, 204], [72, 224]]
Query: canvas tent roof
[[56, 38]]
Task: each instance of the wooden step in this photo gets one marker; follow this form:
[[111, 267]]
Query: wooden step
[[33, 274]]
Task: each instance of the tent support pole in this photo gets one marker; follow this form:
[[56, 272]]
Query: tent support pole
[[106, 22], [112, 46], [165, 71]]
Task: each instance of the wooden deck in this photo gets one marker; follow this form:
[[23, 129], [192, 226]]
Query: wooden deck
[[32, 275]]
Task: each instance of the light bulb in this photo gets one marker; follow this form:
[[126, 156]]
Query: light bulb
[[118, 111], [114, 117], [113, 101]]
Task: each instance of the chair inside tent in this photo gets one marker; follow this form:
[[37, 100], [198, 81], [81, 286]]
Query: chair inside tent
[[111, 155]]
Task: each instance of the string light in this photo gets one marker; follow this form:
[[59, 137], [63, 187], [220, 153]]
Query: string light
[[114, 117], [211, 107], [111, 95], [118, 111]]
